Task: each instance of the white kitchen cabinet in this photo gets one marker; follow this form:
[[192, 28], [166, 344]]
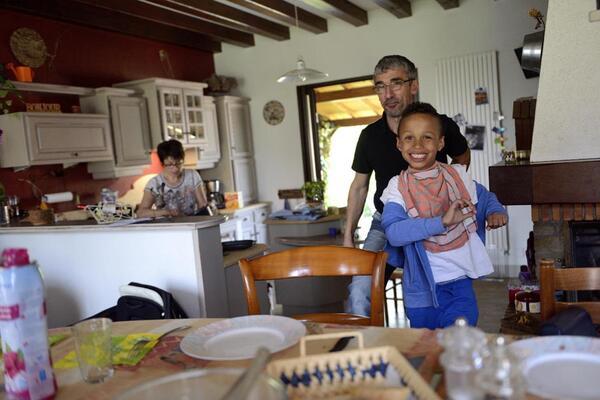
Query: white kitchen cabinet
[[130, 132], [247, 223], [228, 230], [208, 153], [236, 168], [37, 138], [235, 118], [244, 177], [176, 110], [181, 115]]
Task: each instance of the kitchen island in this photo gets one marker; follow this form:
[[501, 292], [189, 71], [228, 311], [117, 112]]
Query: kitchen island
[[84, 263]]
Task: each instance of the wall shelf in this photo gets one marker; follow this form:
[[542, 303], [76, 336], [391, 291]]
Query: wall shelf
[[50, 88]]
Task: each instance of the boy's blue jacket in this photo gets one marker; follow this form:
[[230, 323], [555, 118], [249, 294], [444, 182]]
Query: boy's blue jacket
[[405, 245]]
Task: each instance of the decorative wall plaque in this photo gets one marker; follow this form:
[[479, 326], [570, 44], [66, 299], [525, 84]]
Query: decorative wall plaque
[[28, 47], [273, 112]]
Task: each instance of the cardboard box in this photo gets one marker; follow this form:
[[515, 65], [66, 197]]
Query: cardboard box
[[233, 199]]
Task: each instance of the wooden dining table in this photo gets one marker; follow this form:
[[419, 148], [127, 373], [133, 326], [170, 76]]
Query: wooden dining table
[[166, 357], [419, 346]]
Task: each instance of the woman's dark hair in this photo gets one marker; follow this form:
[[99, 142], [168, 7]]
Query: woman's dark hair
[[171, 148], [421, 108]]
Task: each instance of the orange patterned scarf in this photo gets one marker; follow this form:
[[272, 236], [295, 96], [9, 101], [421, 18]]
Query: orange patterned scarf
[[429, 194]]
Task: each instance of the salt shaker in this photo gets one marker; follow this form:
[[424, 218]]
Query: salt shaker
[[500, 376], [464, 349]]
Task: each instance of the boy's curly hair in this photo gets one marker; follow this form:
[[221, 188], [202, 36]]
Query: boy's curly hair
[[421, 108]]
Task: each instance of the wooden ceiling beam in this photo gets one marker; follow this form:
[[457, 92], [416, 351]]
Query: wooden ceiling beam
[[356, 121], [284, 12], [83, 14], [163, 16], [345, 94], [343, 10], [400, 8], [231, 17], [448, 4]]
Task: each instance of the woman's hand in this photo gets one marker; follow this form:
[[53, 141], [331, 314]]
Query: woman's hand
[[459, 211], [496, 220], [171, 213]]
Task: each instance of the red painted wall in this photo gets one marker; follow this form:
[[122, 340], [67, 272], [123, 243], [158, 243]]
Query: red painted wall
[[89, 57]]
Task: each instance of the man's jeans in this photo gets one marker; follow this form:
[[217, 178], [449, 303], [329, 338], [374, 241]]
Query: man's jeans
[[359, 300]]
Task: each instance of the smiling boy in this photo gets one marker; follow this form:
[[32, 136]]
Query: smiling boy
[[434, 218]]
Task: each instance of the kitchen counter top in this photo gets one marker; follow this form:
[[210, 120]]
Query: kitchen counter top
[[316, 240], [84, 263], [231, 258], [230, 211], [192, 222], [328, 218]]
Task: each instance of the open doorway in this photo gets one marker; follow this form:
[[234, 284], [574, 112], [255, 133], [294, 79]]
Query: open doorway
[[333, 116]]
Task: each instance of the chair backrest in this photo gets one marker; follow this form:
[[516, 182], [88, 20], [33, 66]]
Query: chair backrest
[[311, 261], [553, 279]]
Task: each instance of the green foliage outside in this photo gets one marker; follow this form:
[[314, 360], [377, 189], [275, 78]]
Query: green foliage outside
[[314, 191], [326, 130]]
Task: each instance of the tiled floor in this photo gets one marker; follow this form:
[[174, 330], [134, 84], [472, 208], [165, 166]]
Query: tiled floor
[[491, 297]]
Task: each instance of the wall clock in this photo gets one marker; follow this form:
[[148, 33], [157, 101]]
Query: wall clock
[[273, 112]]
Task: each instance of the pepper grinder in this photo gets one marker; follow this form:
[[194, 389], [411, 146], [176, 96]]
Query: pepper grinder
[[500, 376], [464, 349]]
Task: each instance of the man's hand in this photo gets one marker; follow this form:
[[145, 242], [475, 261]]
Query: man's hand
[[496, 220], [459, 211]]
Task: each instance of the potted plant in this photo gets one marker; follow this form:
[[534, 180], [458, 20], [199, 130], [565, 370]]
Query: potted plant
[[6, 87], [314, 192]]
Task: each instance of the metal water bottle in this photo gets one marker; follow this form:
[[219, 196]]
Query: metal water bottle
[[27, 366]]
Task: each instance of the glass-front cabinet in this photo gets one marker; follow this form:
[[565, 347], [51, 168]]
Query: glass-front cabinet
[[182, 115], [177, 110]]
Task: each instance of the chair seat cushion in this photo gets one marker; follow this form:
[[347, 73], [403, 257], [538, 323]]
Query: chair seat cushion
[[571, 321]]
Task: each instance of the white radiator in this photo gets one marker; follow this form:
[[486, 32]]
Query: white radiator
[[457, 80]]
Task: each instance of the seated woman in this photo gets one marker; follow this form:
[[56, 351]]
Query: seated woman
[[175, 191]]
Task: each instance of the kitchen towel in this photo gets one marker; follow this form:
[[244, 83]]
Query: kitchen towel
[[57, 197]]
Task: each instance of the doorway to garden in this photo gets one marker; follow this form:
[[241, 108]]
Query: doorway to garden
[[333, 116]]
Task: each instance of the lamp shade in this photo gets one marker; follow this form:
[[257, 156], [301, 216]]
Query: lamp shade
[[301, 74]]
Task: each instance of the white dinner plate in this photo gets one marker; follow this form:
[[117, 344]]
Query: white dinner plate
[[561, 367], [239, 338]]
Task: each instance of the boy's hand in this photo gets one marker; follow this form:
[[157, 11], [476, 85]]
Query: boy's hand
[[496, 220], [459, 211]]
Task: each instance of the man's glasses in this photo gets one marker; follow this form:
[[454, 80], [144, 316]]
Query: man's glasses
[[395, 85], [174, 164]]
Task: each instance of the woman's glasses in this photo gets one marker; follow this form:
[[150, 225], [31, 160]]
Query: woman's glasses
[[173, 164]]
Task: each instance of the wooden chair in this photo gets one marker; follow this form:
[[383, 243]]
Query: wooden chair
[[318, 261], [552, 279], [396, 285]]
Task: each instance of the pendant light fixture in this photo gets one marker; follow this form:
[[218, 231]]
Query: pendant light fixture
[[301, 73]]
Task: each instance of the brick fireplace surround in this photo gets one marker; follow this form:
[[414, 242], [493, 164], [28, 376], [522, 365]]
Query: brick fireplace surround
[[559, 194]]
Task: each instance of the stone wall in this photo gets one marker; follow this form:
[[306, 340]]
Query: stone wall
[[552, 237]]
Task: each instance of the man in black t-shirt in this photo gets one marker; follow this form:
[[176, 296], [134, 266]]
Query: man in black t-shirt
[[395, 79]]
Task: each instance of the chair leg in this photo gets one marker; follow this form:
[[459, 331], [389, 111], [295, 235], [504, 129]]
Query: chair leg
[[395, 292], [386, 315]]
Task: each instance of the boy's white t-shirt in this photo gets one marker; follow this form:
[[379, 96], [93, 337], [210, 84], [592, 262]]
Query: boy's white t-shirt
[[471, 259]]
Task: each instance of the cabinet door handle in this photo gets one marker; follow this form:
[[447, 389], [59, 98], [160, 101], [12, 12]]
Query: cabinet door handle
[[75, 154]]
